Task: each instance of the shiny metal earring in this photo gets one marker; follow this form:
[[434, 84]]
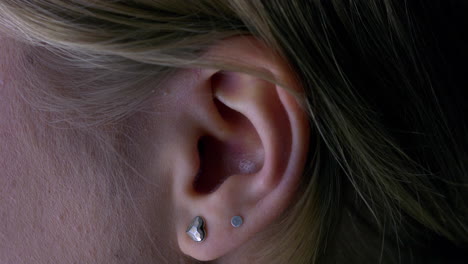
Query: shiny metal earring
[[237, 221], [196, 229]]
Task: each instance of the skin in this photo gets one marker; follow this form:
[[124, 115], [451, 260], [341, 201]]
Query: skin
[[124, 192], [56, 204]]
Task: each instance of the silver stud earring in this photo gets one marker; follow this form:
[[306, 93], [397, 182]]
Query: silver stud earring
[[236, 221], [196, 229]]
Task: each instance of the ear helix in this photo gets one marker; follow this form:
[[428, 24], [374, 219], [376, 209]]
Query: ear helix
[[196, 229]]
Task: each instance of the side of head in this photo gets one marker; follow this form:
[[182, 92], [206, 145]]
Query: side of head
[[332, 128]]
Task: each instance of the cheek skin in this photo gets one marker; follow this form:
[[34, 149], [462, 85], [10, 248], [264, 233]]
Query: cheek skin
[[60, 203], [55, 206], [45, 218]]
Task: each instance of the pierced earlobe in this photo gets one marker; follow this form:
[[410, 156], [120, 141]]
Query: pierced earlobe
[[196, 229]]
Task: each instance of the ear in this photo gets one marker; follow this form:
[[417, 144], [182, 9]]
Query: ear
[[241, 147]]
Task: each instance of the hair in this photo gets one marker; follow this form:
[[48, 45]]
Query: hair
[[385, 89]]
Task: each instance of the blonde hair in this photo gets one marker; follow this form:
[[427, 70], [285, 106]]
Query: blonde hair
[[364, 178]]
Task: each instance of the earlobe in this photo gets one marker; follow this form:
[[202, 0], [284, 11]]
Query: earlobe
[[251, 144]]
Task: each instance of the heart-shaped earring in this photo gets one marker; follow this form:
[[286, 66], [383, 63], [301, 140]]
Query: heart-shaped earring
[[196, 229]]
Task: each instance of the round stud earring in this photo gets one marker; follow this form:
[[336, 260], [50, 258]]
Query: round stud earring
[[196, 229], [236, 221]]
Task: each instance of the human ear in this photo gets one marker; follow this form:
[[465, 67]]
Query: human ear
[[242, 146]]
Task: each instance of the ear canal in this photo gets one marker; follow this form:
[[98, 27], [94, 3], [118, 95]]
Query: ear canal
[[220, 159]]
